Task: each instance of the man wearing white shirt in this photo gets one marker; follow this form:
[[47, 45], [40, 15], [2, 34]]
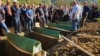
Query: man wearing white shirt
[[75, 15], [66, 12], [80, 13]]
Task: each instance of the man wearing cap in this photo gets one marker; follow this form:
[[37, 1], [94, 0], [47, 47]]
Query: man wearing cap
[[16, 16]]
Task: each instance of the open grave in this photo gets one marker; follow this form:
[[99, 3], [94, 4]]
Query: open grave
[[22, 45], [48, 37], [87, 37]]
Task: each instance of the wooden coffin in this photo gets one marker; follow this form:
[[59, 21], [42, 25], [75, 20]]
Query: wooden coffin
[[48, 37], [22, 46]]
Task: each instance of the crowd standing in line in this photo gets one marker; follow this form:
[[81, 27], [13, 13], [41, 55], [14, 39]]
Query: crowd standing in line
[[25, 16]]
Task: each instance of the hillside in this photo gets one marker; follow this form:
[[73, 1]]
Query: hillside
[[53, 1], [62, 2], [32, 1], [49, 2], [67, 2]]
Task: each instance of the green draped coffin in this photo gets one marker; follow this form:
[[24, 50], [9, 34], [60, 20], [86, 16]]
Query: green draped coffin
[[23, 45], [98, 19], [48, 32], [62, 26], [48, 37]]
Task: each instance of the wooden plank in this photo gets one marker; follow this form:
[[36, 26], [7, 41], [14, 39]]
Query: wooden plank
[[77, 46], [89, 36]]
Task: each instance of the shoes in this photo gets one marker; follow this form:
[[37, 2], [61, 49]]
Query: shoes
[[9, 31], [0, 38]]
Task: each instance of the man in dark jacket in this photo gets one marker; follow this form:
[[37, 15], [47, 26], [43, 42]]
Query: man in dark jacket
[[40, 14], [86, 10], [16, 17], [8, 14]]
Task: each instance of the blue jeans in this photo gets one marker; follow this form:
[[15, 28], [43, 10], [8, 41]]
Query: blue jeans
[[29, 24], [42, 21], [17, 25], [3, 25], [46, 19], [34, 21], [75, 24]]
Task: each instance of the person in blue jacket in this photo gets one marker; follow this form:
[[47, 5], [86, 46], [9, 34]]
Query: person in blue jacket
[[29, 14]]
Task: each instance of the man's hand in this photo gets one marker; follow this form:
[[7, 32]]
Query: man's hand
[[86, 13], [3, 20]]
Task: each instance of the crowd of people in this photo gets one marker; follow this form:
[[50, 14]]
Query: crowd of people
[[25, 15]]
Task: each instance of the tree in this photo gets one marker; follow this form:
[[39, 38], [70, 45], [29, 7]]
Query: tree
[[63, 2], [98, 1], [31, 1]]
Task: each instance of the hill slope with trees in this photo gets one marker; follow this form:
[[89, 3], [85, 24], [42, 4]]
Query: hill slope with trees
[[55, 2], [67, 2], [32, 1]]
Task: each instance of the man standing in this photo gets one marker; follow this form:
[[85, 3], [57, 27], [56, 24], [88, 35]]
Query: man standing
[[40, 14], [8, 14], [29, 14], [86, 10], [51, 13], [23, 16], [66, 13], [45, 9], [34, 15], [75, 15], [16, 16], [2, 20], [94, 11]]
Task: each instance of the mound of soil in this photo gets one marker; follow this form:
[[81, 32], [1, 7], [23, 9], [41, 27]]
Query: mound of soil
[[91, 28]]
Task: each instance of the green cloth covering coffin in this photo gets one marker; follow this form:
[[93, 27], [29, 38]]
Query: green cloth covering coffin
[[25, 44], [48, 32], [98, 19], [62, 25]]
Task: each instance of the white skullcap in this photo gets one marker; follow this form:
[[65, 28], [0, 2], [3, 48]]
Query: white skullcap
[[14, 0]]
